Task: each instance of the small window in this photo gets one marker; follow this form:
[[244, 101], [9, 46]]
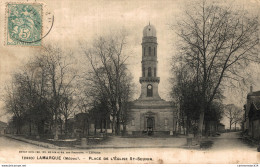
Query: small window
[[155, 72], [154, 51], [149, 72], [133, 122], [143, 72], [150, 51], [144, 51], [149, 90]]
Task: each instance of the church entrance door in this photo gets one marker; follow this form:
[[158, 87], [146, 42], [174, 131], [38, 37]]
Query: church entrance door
[[150, 125]]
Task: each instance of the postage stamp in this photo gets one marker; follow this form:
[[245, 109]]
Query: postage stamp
[[24, 24]]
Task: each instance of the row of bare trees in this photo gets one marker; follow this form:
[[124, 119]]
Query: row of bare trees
[[234, 114], [188, 99], [215, 44], [41, 92], [48, 90]]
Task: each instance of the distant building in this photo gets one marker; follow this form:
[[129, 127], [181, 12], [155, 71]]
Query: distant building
[[221, 127], [3, 127], [149, 113], [252, 114]]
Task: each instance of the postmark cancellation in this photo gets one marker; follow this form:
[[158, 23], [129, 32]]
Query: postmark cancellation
[[24, 24]]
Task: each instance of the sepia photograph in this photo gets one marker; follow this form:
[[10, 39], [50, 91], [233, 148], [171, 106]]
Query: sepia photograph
[[129, 82]]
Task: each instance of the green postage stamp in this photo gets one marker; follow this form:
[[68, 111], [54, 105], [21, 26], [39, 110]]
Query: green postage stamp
[[24, 24]]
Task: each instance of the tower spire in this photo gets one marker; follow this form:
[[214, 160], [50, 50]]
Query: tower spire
[[149, 79]]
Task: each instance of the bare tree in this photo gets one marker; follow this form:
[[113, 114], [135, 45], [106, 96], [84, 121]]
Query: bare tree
[[68, 107], [216, 43], [239, 117], [185, 94], [13, 104], [28, 96], [107, 58], [60, 76], [83, 106], [41, 90], [233, 113]]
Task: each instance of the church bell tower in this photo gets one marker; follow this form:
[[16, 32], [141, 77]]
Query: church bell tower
[[149, 113], [149, 80]]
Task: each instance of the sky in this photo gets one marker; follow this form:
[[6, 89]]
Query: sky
[[84, 20]]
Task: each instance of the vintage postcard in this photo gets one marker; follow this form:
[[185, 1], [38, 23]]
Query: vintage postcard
[[129, 82]]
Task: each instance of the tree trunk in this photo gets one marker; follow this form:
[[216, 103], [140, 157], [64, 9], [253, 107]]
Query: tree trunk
[[235, 126], [118, 123], [95, 126], [230, 123], [187, 126], [201, 120], [61, 127], [101, 125], [112, 126], [17, 128], [105, 125], [30, 127], [207, 128], [50, 128], [113, 123], [124, 128], [66, 126], [56, 127], [87, 127], [182, 127], [83, 130]]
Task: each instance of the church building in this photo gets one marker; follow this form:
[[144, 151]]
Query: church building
[[150, 114]]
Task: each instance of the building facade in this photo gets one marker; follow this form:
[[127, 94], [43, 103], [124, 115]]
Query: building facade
[[149, 113], [252, 114], [3, 127]]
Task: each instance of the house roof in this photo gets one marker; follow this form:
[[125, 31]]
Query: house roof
[[3, 124], [71, 119], [256, 93], [221, 124]]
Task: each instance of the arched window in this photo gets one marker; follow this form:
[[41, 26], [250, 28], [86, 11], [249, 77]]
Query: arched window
[[155, 72], [144, 51], [154, 51], [149, 72], [133, 122], [150, 51], [143, 72], [149, 90], [166, 122]]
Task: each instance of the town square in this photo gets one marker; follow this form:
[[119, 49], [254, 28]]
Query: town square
[[114, 82]]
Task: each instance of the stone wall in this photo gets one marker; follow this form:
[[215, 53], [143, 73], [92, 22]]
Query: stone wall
[[163, 120], [256, 129]]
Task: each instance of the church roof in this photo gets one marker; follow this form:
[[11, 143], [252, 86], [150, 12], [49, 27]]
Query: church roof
[[151, 104], [149, 31]]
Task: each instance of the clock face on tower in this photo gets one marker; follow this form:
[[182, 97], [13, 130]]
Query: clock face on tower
[[149, 86], [149, 91]]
